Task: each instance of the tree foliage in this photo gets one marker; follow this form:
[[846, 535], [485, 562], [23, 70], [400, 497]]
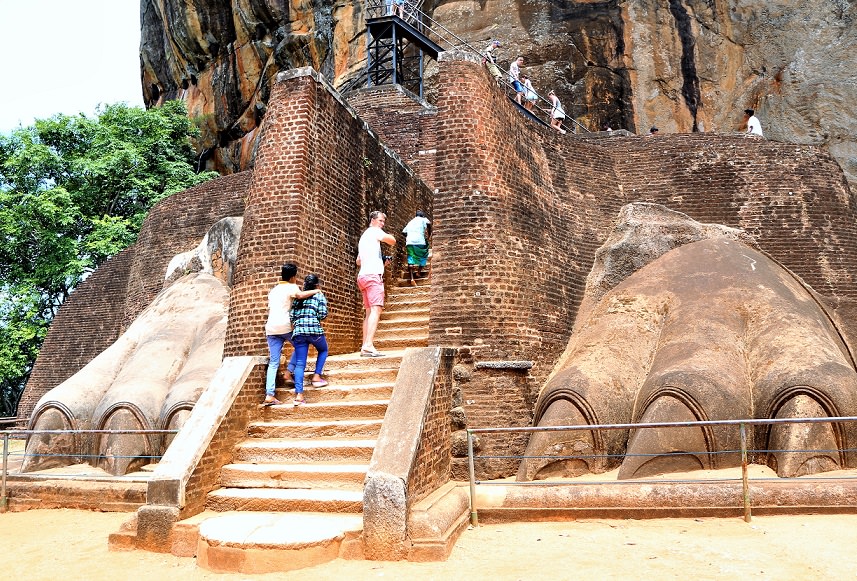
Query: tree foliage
[[74, 191]]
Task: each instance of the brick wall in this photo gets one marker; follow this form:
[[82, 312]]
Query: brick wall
[[403, 121], [86, 325], [106, 303], [233, 429], [175, 225], [520, 211], [318, 174], [432, 460]]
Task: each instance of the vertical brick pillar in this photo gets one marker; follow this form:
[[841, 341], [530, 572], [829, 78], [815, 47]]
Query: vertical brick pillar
[[319, 172]]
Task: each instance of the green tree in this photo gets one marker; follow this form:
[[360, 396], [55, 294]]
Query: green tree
[[74, 191]]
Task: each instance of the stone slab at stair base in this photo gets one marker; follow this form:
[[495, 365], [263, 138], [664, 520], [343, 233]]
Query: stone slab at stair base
[[652, 499], [270, 542], [118, 494], [436, 522]]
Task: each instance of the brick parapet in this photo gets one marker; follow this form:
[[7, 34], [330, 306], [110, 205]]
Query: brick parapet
[[221, 450], [520, 211], [92, 311], [106, 303], [175, 225], [403, 121], [432, 461], [319, 171]]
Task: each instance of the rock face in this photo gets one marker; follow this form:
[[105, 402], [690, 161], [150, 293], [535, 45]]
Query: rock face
[[683, 65], [221, 58]]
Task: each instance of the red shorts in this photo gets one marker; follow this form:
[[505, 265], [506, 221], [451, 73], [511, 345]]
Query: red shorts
[[372, 288]]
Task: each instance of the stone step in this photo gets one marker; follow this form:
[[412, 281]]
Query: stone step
[[399, 342], [405, 281], [339, 392], [344, 500], [327, 411], [407, 301], [351, 376], [316, 475], [417, 318], [345, 361], [410, 333], [261, 542], [405, 322], [317, 429], [281, 450]]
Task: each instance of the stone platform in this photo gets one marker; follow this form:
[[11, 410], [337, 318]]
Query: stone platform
[[249, 542]]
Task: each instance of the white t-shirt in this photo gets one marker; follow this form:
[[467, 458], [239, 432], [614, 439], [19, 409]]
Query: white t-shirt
[[279, 305], [514, 71], [753, 126], [415, 231], [369, 251]]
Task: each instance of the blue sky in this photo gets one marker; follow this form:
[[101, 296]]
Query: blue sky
[[67, 56]]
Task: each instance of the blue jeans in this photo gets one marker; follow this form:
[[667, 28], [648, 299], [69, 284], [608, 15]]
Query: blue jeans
[[302, 343], [275, 350]]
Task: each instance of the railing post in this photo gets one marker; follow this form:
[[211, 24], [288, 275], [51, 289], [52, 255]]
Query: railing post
[[4, 502], [745, 484], [474, 518]]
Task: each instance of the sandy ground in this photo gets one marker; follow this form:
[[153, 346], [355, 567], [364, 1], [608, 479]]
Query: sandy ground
[[71, 545]]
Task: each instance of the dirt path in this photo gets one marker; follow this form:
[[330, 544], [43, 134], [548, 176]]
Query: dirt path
[[72, 545]]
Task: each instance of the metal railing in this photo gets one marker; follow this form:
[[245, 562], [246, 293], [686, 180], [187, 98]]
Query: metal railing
[[744, 450], [20, 436], [415, 16]]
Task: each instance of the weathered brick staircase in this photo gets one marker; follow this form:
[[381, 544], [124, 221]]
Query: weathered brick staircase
[[314, 458]]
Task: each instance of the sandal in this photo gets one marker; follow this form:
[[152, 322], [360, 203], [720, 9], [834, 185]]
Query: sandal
[[367, 353], [320, 383], [299, 402], [271, 402]]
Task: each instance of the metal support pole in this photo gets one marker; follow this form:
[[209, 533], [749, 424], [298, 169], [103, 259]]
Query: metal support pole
[[745, 484], [4, 501], [395, 55], [474, 518]]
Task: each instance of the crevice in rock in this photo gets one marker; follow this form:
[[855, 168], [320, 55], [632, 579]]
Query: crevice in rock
[[690, 86]]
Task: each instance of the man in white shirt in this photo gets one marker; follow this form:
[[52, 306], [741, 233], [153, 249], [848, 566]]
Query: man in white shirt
[[370, 279], [753, 125], [514, 78], [416, 233]]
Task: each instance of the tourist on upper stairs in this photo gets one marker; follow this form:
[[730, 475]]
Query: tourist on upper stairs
[[557, 112], [653, 131], [491, 61], [370, 279], [307, 315], [530, 95], [278, 327], [515, 78], [753, 125], [417, 232]]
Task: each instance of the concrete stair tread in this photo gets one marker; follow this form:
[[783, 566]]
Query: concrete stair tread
[[355, 356], [330, 466], [266, 542], [334, 404], [271, 530], [315, 423], [346, 388], [353, 494], [357, 428], [304, 443]]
